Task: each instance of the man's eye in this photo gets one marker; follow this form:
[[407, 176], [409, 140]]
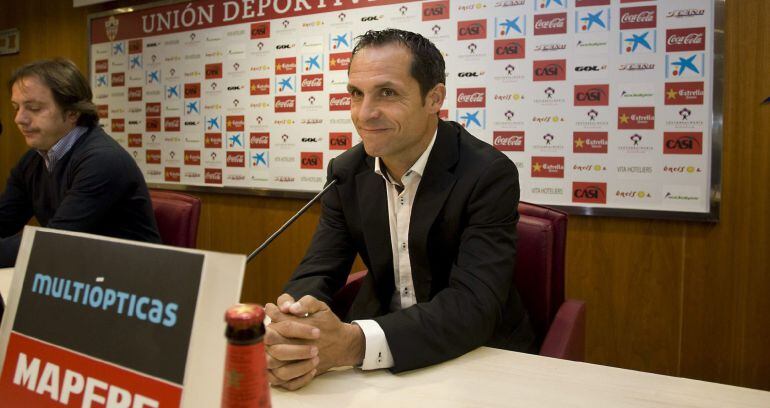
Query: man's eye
[[388, 92], [355, 93]]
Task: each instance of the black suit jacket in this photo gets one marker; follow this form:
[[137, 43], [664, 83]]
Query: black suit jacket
[[462, 245]]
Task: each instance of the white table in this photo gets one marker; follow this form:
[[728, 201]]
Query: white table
[[489, 377]]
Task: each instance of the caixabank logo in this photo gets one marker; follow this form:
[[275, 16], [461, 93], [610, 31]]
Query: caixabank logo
[[638, 41], [592, 21], [547, 167], [511, 26], [435, 10], [682, 142], [589, 192]]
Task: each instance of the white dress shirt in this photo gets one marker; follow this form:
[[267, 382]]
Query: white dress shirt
[[400, 201]]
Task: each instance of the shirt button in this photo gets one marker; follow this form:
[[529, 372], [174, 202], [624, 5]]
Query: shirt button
[[403, 245]]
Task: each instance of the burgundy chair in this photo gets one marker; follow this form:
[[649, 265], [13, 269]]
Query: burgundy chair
[[177, 216], [539, 276]]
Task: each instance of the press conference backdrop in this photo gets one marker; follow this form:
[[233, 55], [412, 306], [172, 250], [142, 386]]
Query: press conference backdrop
[[605, 107]]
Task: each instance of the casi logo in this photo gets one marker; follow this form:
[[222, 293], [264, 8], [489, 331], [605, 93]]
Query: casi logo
[[172, 174], [236, 159], [152, 156], [285, 103], [508, 141], [260, 30], [212, 140], [118, 125], [192, 157], [549, 70], [101, 66], [339, 101], [213, 71], [435, 10], [340, 140], [592, 95], [134, 140], [312, 83], [589, 192], [192, 90], [311, 160], [472, 29], [471, 97], [135, 46], [547, 24], [152, 125], [682, 143], [510, 48], [212, 176], [259, 140]]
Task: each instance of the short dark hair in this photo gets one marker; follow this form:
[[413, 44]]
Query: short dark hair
[[428, 66], [69, 87]]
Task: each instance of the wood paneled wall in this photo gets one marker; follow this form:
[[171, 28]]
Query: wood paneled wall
[[678, 298]]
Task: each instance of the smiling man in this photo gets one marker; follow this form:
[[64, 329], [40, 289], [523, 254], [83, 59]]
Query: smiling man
[[74, 177], [430, 209]]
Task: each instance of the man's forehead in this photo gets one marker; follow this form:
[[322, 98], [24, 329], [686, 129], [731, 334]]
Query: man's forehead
[[30, 89]]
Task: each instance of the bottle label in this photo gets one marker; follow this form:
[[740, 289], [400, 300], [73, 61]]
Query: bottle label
[[245, 382]]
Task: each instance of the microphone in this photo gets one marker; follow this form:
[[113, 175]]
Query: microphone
[[291, 220]]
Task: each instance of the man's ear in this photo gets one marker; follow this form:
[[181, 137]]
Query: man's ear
[[72, 117], [435, 98]]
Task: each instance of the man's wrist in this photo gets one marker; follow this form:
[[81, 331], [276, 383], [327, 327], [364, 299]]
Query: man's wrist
[[357, 345]]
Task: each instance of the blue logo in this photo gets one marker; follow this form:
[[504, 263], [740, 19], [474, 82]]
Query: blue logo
[[101, 80], [542, 5], [135, 62], [472, 119], [172, 92], [285, 84], [587, 22], [511, 27], [260, 159], [214, 123], [685, 66], [235, 140], [192, 107], [637, 42], [339, 42], [310, 63], [153, 77], [118, 48]]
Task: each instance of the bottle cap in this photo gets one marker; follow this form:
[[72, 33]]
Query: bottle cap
[[244, 316]]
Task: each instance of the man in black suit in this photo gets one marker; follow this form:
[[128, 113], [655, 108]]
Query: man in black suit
[[432, 212]]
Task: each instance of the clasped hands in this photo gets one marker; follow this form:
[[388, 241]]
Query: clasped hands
[[305, 339]]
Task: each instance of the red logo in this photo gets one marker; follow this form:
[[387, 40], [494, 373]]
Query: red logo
[[435, 10], [152, 125], [118, 79], [591, 192], [589, 142], [551, 167], [135, 94], [212, 176], [686, 39], [636, 118], [102, 66], [118, 125], [592, 95], [340, 140], [236, 159], [134, 140], [547, 24], [311, 160], [171, 124], [682, 143], [286, 65], [152, 109], [340, 61], [509, 49], [311, 83], [590, 3], [259, 140], [471, 97], [172, 174], [631, 1], [549, 70], [638, 17], [260, 30], [102, 111], [508, 141], [234, 123], [192, 157], [443, 114], [153, 156], [212, 140], [472, 29], [135, 46], [339, 101], [684, 93], [260, 86], [285, 103], [192, 90], [214, 71]]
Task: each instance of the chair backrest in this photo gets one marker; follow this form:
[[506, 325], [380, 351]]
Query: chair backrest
[[177, 216], [540, 252]]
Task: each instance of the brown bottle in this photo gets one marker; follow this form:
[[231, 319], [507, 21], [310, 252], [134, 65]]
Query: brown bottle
[[245, 382]]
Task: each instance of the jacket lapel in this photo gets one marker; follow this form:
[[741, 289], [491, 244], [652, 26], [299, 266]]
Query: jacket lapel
[[435, 186]]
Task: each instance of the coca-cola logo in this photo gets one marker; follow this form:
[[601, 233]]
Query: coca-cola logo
[[286, 65], [172, 174], [312, 83], [134, 140], [213, 71], [549, 70], [340, 140], [212, 176], [285, 103], [236, 159], [435, 10], [472, 29], [686, 39], [548, 24], [118, 79], [134, 94], [508, 141], [152, 109], [118, 125], [259, 140], [192, 157], [171, 124], [311, 160], [339, 101], [340, 61], [510, 48], [638, 17], [589, 192], [212, 140], [101, 66], [152, 156], [471, 97]]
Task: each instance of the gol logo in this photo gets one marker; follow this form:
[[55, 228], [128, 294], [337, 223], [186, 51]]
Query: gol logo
[[340, 140], [435, 10], [590, 193], [472, 29]]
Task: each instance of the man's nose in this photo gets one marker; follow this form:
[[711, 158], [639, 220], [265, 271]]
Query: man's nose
[[368, 109], [21, 117]]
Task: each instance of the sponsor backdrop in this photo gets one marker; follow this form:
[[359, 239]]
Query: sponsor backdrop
[[599, 103]]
